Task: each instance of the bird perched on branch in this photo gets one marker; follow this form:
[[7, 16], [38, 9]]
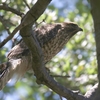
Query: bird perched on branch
[[51, 37]]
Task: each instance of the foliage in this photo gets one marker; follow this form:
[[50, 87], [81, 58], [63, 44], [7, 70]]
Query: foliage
[[77, 59]]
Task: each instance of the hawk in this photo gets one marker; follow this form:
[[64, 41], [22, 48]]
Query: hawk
[[51, 37]]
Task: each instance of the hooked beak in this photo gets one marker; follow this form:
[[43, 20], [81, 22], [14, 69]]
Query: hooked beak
[[80, 29]]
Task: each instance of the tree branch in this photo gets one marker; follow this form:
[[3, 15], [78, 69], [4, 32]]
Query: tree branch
[[95, 10], [37, 56], [95, 14], [5, 7], [92, 92], [40, 72]]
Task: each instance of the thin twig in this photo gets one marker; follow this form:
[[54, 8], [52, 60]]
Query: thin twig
[[66, 76], [26, 4], [5, 7], [60, 97], [11, 35], [37, 24], [4, 24]]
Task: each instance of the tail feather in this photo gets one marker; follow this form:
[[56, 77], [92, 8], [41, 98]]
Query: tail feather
[[12, 68]]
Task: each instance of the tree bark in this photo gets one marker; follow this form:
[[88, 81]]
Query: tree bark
[[95, 11]]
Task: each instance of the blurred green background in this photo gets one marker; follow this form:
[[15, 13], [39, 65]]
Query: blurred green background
[[77, 59]]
